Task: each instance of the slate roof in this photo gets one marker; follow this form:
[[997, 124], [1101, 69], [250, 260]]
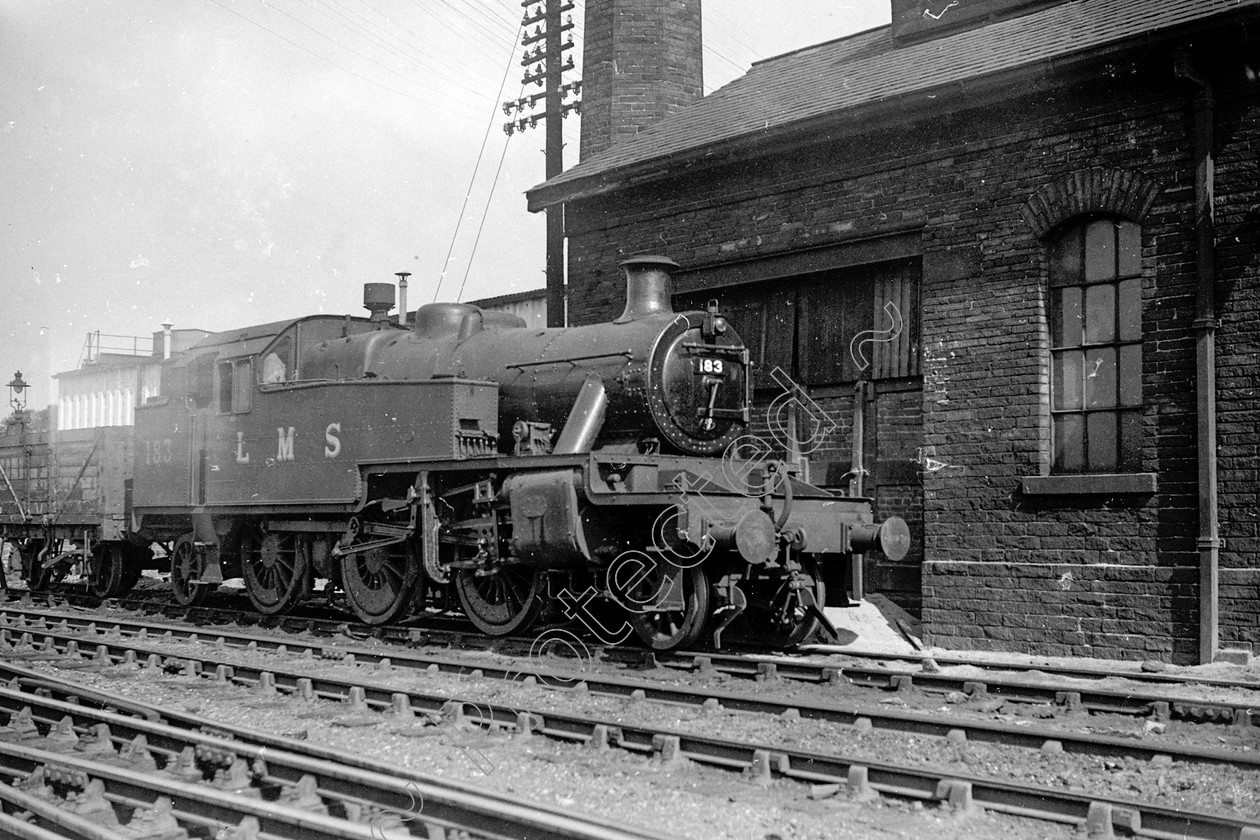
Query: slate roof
[[869, 69]]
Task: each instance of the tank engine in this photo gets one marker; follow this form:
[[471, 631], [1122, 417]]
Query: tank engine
[[468, 461]]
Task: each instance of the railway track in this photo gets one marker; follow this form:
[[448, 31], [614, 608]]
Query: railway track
[[1159, 699], [859, 775], [172, 771], [111, 640], [812, 664]]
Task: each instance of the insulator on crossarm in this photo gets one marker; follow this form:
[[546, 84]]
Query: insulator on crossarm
[[508, 128], [507, 108]]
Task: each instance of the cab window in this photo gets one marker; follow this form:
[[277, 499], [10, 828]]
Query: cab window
[[277, 364], [236, 384]]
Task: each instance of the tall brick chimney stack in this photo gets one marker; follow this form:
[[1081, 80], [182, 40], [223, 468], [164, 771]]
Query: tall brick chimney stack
[[641, 61]]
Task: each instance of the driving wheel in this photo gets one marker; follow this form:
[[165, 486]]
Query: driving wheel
[[186, 568], [504, 601], [381, 582], [276, 567], [670, 629]]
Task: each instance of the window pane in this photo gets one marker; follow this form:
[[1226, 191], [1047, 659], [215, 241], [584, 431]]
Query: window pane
[[1069, 443], [1100, 313], [1131, 374], [1101, 426], [1130, 305], [1065, 258], [225, 387], [1130, 235], [1130, 441], [1100, 250], [1100, 378], [1066, 316], [243, 386], [1067, 376]]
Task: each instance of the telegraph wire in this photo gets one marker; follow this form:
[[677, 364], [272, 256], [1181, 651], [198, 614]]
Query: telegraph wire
[[506, 24], [485, 213], [471, 181], [731, 33], [334, 41], [414, 37], [331, 63], [381, 38]]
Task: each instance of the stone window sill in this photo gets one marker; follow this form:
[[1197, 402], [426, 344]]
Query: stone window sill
[[1087, 485]]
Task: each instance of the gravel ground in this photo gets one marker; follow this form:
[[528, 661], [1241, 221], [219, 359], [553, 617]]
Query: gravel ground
[[695, 801], [686, 800], [689, 800]]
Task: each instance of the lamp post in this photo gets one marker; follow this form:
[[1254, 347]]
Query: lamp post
[[17, 395], [17, 399]]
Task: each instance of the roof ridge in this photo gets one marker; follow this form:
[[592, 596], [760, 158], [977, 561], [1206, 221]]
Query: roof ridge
[[817, 46]]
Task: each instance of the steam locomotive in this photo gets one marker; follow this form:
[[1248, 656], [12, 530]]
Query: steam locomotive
[[465, 461]]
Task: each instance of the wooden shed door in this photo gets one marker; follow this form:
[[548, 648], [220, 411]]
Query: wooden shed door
[[828, 330]]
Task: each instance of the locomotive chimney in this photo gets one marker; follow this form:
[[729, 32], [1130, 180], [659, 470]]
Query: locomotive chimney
[[378, 299], [402, 295], [648, 287]]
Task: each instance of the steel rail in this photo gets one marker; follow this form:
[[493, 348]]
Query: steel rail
[[167, 734], [860, 777], [70, 826], [846, 713], [947, 659], [1018, 689], [457, 632], [201, 805], [875, 716]]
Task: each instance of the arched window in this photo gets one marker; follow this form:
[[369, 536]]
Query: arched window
[[1096, 345]]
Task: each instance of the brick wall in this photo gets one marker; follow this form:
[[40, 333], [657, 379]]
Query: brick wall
[[1238, 363], [641, 61], [1103, 575]]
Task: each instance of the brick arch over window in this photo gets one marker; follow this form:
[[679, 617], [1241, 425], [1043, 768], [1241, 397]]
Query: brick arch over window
[[1120, 192]]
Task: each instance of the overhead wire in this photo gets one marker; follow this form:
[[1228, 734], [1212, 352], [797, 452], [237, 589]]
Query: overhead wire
[[422, 100], [334, 41], [378, 36], [485, 212], [494, 118]]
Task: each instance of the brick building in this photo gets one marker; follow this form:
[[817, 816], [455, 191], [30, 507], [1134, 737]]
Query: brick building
[[1030, 230]]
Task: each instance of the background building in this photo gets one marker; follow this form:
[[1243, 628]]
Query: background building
[[115, 374], [531, 306], [1031, 229]]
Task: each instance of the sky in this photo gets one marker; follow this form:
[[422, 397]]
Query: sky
[[219, 163]]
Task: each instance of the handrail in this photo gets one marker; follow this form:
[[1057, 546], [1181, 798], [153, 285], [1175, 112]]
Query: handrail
[[573, 359]]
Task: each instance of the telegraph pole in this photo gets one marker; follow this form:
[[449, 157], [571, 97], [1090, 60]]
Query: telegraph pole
[[545, 65]]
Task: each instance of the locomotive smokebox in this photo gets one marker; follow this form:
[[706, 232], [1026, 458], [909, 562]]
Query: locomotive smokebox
[[648, 287], [378, 298]]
